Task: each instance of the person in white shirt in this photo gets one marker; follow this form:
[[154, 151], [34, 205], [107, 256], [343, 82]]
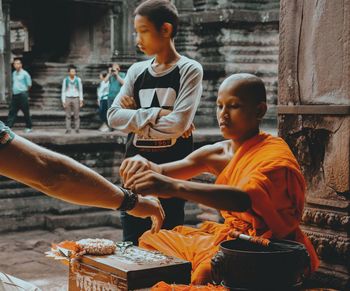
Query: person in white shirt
[[72, 98], [102, 99]]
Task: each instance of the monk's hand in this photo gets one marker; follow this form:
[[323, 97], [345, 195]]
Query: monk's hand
[[127, 102], [134, 165], [131, 166], [152, 183], [189, 131], [150, 207]]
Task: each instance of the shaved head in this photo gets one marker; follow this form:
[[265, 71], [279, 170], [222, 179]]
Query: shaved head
[[247, 87]]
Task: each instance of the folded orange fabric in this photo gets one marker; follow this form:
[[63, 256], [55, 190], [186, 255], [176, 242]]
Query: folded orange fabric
[[162, 286]]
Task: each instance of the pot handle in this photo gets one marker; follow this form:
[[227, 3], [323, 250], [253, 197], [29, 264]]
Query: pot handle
[[217, 267]]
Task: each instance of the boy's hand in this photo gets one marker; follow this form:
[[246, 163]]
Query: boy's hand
[[127, 102], [81, 103], [189, 131], [164, 112], [64, 104], [150, 207]]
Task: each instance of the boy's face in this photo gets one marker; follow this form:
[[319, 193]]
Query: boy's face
[[72, 72], [17, 65], [237, 117], [148, 39]]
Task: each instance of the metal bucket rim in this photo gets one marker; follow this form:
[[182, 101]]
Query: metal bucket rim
[[222, 248], [296, 285]]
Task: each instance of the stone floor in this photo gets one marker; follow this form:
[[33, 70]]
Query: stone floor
[[22, 254]]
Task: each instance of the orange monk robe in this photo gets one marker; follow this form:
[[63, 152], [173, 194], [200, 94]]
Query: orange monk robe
[[265, 168]]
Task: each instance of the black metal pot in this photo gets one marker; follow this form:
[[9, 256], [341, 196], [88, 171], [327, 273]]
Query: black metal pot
[[242, 265]]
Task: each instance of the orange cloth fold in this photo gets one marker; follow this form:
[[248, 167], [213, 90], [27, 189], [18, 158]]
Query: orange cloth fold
[[162, 286], [265, 168]]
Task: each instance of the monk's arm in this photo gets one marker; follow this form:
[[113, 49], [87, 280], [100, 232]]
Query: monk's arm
[[221, 197], [194, 164]]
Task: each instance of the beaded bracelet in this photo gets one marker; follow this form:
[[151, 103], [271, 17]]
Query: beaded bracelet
[[129, 201]]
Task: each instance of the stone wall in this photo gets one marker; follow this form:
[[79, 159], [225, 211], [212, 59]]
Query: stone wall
[[229, 37], [314, 90]]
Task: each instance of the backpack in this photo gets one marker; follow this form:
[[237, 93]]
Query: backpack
[[76, 83]]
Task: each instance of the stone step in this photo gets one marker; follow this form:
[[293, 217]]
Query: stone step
[[68, 221], [268, 51], [53, 119], [254, 5], [13, 193], [25, 206], [79, 220], [6, 183]]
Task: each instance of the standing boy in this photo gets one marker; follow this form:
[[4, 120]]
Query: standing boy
[[157, 103], [72, 98], [21, 84]]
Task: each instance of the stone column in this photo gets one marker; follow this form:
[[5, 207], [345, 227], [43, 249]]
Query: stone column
[[228, 37], [123, 36], [184, 5], [5, 51], [314, 119], [2, 57]]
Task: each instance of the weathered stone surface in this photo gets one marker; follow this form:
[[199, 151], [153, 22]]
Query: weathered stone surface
[[314, 69], [323, 151], [314, 54], [227, 38]]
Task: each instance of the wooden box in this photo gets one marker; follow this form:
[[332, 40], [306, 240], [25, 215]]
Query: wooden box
[[130, 269]]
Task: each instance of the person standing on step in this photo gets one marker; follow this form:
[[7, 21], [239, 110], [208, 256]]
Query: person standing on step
[[72, 98], [116, 81], [21, 84], [102, 99], [157, 104]]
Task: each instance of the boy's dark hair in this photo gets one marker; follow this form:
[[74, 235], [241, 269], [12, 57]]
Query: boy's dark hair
[[17, 59], [71, 67], [104, 74], [159, 12]]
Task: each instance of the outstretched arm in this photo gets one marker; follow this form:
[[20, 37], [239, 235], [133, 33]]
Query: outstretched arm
[[210, 158], [167, 180], [221, 197], [62, 177]]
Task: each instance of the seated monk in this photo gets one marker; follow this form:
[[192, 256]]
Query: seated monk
[[259, 188]]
